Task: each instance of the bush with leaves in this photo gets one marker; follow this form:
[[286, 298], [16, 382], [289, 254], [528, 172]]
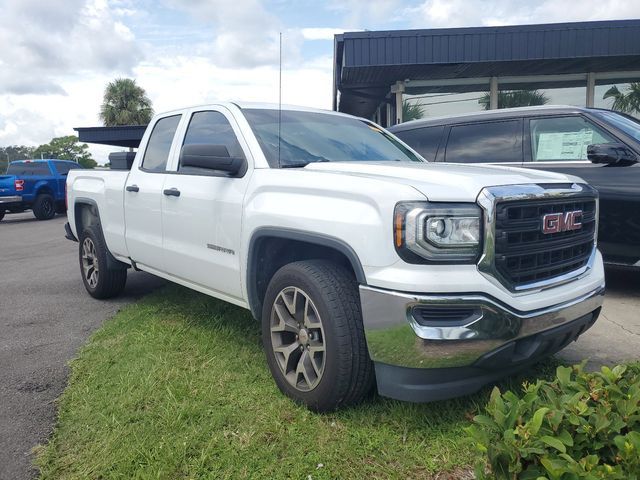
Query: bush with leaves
[[578, 426]]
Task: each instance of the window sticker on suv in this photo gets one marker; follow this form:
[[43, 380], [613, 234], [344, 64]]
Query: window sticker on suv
[[564, 145]]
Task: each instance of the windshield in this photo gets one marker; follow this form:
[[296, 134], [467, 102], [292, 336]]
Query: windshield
[[307, 137], [628, 125]]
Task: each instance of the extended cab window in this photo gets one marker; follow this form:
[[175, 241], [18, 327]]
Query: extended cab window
[[25, 169], [211, 128], [564, 138], [157, 153], [485, 142], [423, 140], [63, 167]]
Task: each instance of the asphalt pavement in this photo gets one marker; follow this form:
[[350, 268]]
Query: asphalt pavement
[[46, 315]]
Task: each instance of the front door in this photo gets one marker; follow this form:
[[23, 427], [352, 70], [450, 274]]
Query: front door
[[143, 196], [559, 144], [202, 210]]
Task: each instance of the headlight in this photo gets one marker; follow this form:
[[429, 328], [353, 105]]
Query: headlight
[[437, 232]]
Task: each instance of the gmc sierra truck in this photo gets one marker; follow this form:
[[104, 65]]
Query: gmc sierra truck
[[365, 264]]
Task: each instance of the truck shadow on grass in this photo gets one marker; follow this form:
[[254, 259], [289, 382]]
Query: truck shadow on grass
[[177, 386]]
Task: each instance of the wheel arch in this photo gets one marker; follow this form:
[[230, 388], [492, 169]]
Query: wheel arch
[[85, 214], [270, 248]]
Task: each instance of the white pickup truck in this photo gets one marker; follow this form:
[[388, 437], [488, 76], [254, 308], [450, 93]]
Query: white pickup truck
[[365, 264]]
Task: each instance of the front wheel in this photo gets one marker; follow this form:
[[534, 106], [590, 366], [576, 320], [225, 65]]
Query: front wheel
[[44, 207], [99, 279], [313, 335]]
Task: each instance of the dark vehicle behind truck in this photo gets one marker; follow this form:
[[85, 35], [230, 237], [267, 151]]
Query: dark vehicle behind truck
[[38, 185], [601, 146]]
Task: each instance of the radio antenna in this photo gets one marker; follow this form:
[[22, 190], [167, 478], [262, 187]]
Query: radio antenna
[[280, 99]]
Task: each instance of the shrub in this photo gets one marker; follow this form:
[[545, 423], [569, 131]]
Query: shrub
[[578, 426]]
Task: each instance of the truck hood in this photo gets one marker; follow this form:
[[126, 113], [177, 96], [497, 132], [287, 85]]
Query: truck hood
[[441, 181]]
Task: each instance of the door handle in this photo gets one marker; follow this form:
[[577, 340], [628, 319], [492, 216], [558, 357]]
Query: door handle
[[132, 188], [172, 192]]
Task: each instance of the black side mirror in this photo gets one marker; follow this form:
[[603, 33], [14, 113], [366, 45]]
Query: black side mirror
[[611, 153], [212, 157]]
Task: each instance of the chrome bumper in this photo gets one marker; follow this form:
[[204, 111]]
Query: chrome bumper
[[14, 199], [394, 337]]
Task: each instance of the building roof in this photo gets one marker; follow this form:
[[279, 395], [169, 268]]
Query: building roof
[[366, 63]]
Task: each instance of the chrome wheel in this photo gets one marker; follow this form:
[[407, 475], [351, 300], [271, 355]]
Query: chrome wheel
[[297, 338], [90, 266]]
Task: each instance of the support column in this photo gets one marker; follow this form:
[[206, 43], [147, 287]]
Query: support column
[[591, 90], [398, 89], [493, 93]]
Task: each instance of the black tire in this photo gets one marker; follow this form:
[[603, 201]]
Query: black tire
[[44, 207], [347, 375], [100, 281], [1, 215]]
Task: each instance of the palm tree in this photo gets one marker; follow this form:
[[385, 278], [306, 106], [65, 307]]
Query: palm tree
[[125, 103], [625, 102], [516, 98], [412, 111]]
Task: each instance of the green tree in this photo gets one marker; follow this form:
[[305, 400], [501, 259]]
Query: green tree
[[14, 152], [412, 111], [628, 102], [66, 148], [516, 98], [125, 103]]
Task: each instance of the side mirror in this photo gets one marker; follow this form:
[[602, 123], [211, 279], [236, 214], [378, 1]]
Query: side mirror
[[611, 153], [212, 157]]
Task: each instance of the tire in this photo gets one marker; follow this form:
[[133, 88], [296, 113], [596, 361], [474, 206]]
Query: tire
[[321, 359], [1, 215], [44, 207], [99, 280]]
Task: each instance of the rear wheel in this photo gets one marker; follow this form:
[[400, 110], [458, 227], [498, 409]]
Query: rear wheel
[[1, 215], [44, 207], [313, 335], [99, 279]]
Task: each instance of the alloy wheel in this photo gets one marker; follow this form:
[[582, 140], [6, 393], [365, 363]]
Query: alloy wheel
[[297, 338], [90, 267]]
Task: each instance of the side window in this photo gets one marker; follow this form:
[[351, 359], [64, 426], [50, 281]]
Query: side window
[[564, 138], [63, 167], [423, 140], [485, 142], [157, 153], [212, 128]]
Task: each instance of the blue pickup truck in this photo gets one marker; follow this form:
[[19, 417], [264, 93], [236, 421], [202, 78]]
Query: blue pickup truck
[[38, 185]]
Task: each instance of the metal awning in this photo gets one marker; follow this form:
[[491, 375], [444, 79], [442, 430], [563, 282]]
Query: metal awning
[[122, 136], [367, 64]]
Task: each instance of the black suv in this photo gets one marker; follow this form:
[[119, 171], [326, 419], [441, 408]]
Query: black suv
[[600, 146]]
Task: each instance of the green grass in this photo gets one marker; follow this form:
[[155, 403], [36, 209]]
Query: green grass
[[177, 386]]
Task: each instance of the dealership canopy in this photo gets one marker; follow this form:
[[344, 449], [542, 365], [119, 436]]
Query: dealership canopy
[[372, 70]]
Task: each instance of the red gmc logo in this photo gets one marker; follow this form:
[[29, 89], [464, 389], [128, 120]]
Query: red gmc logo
[[562, 222]]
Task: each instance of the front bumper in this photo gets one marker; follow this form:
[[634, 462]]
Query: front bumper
[[425, 361]]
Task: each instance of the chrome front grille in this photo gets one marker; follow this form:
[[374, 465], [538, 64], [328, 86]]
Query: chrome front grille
[[517, 252]]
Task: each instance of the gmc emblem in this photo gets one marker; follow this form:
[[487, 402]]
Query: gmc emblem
[[562, 222]]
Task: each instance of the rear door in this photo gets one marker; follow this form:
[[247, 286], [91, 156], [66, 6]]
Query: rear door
[[202, 209], [486, 142], [143, 195], [62, 168]]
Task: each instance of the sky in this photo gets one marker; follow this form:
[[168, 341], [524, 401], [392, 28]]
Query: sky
[[56, 56]]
